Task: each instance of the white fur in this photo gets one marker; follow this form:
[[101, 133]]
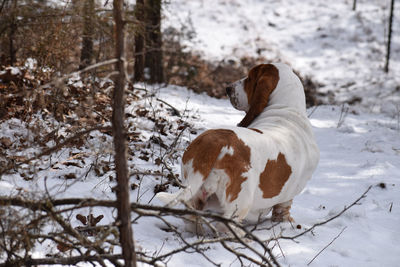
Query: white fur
[[239, 97], [286, 129]]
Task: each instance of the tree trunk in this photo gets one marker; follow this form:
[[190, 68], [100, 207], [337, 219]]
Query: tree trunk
[[12, 50], [389, 36], [13, 29], [88, 31], [139, 42], [124, 211], [354, 4], [153, 59]]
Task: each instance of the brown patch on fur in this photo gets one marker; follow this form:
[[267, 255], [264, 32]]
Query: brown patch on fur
[[274, 176], [259, 84], [205, 150], [256, 130]]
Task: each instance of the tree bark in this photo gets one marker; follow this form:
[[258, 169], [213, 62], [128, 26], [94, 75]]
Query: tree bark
[[124, 211], [13, 28], [88, 31], [153, 59], [389, 36], [139, 42]]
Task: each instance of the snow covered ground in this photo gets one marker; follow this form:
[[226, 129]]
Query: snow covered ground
[[357, 151], [360, 145], [341, 49]]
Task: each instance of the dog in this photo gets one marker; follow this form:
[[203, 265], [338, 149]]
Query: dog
[[261, 164]]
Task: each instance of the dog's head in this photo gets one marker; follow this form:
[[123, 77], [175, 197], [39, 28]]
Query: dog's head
[[251, 94]]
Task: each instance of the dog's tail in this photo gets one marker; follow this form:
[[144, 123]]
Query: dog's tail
[[169, 198], [185, 194], [172, 199]]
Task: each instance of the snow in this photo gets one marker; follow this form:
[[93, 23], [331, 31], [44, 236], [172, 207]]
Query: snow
[[363, 151], [341, 49], [360, 144]]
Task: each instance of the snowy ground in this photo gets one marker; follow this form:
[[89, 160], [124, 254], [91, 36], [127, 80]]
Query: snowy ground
[[341, 49], [364, 150], [360, 145]]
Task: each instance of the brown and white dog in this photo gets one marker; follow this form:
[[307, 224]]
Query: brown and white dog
[[261, 165]]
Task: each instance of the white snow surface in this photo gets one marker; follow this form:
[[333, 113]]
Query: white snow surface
[[360, 145], [342, 49], [363, 151]]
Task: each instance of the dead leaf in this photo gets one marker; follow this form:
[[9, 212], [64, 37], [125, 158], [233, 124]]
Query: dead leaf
[[63, 247], [5, 142], [81, 218], [70, 176]]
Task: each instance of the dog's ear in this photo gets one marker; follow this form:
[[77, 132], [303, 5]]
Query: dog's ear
[[267, 77]]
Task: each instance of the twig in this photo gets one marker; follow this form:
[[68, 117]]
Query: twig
[[176, 111], [145, 210], [330, 219], [326, 246], [312, 111], [91, 67], [343, 113], [70, 260]]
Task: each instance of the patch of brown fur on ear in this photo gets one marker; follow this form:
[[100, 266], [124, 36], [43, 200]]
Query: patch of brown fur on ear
[[267, 77]]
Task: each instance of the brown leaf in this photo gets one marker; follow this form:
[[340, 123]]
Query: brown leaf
[[70, 176], [82, 219], [158, 161], [144, 157], [97, 220], [134, 186], [63, 247], [5, 142], [69, 163], [160, 188]]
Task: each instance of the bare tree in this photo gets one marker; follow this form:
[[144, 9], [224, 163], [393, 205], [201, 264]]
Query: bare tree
[[88, 31], [389, 36], [124, 211], [139, 41], [153, 59], [8, 26]]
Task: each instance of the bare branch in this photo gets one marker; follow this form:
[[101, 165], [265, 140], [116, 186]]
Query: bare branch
[[330, 219], [326, 246]]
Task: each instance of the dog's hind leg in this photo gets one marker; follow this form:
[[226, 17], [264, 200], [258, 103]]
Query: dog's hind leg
[[281, 212]]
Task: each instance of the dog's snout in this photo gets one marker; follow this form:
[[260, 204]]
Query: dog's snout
[[229, 90]]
